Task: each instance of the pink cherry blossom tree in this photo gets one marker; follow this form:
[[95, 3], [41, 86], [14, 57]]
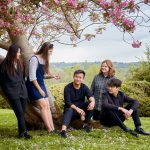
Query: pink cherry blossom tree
[[29, 23]]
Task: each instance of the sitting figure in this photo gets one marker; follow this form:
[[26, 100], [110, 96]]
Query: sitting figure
[[114, 112], [75, 104]]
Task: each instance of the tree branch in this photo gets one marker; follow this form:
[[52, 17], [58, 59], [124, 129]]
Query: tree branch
[[4, 45], [66, 17], [36, 22]]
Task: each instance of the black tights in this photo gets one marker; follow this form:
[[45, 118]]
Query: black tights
[[19, 106]]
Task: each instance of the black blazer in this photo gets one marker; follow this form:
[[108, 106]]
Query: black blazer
[[13, 86], [110, 102]]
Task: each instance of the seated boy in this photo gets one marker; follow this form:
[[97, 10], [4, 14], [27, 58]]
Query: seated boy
[[114, 112], [75, 104]]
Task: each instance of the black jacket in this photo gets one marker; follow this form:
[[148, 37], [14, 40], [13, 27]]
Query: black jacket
[[76, 96], [110, 102], [13, 86]]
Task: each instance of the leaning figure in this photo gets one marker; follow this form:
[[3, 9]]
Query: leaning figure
[[12, 82]]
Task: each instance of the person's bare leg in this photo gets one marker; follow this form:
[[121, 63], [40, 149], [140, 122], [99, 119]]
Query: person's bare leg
[[51, 121], [49, 114], [64, 127], [63, 131], [42, 105]]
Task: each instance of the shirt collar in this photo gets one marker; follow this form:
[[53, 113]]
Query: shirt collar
[[113, 95], [100, 74]]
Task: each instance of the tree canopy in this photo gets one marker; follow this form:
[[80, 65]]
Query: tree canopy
[[41, 20]]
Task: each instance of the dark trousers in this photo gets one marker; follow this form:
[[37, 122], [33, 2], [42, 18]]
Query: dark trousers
[[116, 117], [96, 114], [70, 114], [19, 106]]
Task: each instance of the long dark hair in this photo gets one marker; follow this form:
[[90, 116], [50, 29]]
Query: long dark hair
[[10, 60], [44, 53]]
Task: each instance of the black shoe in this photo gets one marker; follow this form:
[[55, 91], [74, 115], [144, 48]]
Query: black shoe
[[86, 128], [132, 132], [55, 132], [25, 135], [21, 135], [141, 131], [63, 134]]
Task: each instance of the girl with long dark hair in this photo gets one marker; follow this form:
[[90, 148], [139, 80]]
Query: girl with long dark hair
[[38, 71], [13, 84]]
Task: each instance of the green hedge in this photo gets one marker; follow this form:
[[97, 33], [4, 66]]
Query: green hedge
[[139, 90], [3, 103], [57, 91]]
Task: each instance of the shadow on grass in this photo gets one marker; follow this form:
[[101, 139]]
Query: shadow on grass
[[6, 132]]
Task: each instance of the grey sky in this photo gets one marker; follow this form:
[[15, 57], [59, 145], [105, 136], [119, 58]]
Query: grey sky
[[109, 45]]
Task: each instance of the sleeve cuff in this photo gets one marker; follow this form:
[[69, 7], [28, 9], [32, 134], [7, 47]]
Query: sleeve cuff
[[69, 104], [133, 108], [116, 108], [31, 79]]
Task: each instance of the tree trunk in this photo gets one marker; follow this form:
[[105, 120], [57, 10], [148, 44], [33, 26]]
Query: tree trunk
[[1, 59], [27, 49], [32, 115]]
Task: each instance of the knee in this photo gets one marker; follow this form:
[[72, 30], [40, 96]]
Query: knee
[[47, 103], [70, 110], [135, 111], [113, 113], [48, 107], [110, 112], [42, 106]]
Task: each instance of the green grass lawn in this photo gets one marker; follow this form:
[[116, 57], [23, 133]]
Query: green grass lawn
[[98, 139]]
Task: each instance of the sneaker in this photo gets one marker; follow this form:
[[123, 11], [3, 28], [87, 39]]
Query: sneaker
[[86, 128], [63, 134], [21, 135], [133, 133], [141, 131]]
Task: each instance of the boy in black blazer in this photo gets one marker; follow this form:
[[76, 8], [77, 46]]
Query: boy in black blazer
[[114, 112]]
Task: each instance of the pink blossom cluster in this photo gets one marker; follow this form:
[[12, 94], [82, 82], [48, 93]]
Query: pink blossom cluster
[[79, 5], [115, 11], [128, 25], [146, 1], [10, 14], [66, 16], [72, 3], [136, 44]]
